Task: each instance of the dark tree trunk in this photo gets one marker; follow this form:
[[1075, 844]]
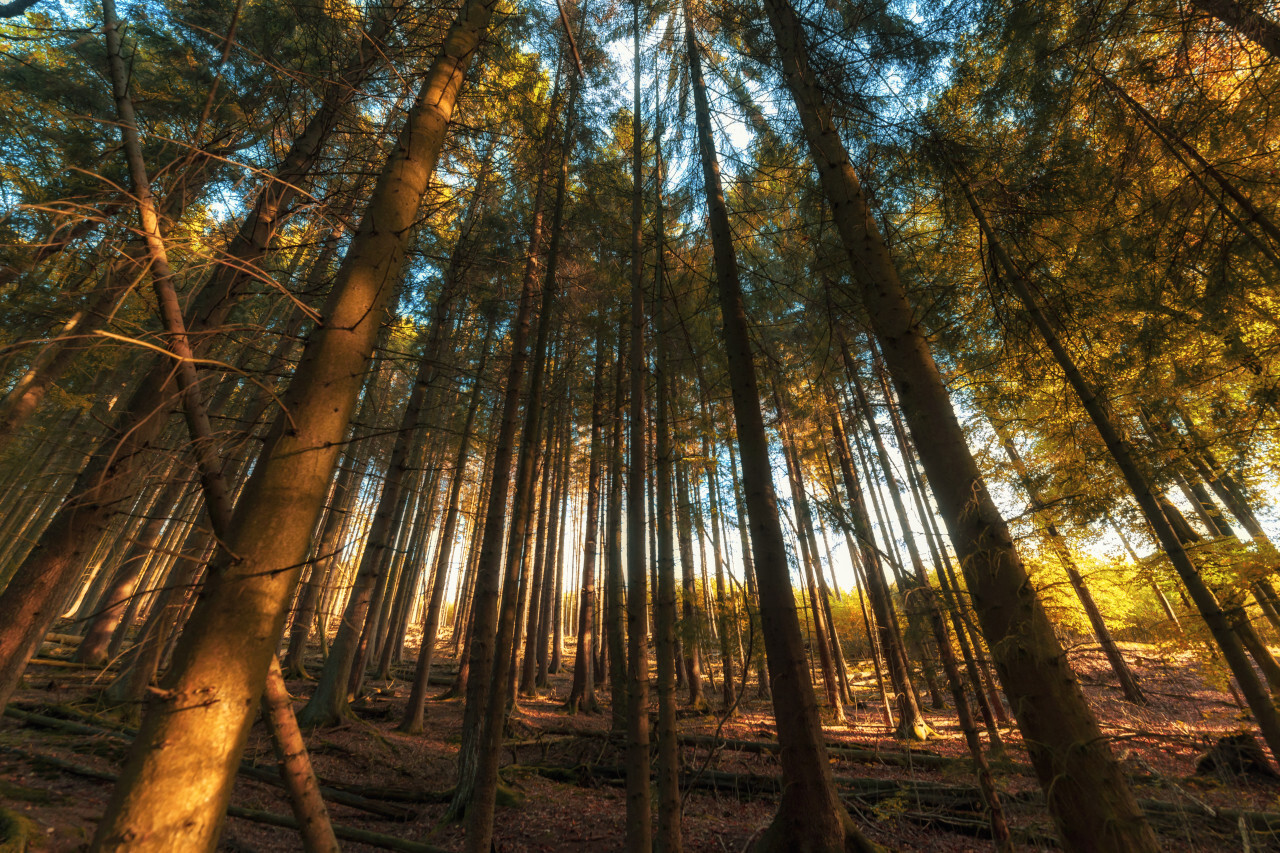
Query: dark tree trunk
[[582, 695], [810, 815]]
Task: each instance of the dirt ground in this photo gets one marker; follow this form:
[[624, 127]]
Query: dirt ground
[[567, 797]]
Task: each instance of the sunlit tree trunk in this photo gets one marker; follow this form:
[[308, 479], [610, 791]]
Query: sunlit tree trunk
[[48, 572], [295, 768], [176, 783]]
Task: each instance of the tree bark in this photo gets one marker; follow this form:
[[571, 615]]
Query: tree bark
[[615, 604], [176, 783], [582, 695], [668, 837], [1241, 18], [481, 804], [1089, 798], [810, 816], [638, 831]]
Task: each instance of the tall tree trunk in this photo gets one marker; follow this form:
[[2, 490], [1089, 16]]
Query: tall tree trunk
[[804, 526], [551, 572], [668, 837], [110, 610], [489, 563], [942, 567], [810, 816], [414, 710], [692, 615], [176, 783], [1089, 798], [911, 722], [328, 705], [615, 604], [480, 808], [324, 555], [638, 831], [295, 768], [723, 595], [763, 690], [49, 570], [582, 695], [536, 560], [908, 582]]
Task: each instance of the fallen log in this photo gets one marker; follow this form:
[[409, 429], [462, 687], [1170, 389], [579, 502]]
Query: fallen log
[[959, 808], [890, 758], [346, 833], [63, 664], [262, 774], [63, 639]]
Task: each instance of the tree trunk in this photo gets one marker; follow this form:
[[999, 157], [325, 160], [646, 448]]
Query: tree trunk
[[911, 722], [1089, 798], [176, 783], [638, 831], [49, 570], [323, 560], [723, 594], [582, 695], [763, 690], [810, 816], [328, 705], [489, 564], [821, 628], [93, 648], [908, 582], [295, 766], [551, 570], [1240, 17], [415, 709], [615, 605], [495, 670], [668, 837]]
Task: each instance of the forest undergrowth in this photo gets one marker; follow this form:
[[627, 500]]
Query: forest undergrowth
[[563, 780]]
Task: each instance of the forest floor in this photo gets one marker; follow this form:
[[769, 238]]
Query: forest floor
[[567, 794]]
